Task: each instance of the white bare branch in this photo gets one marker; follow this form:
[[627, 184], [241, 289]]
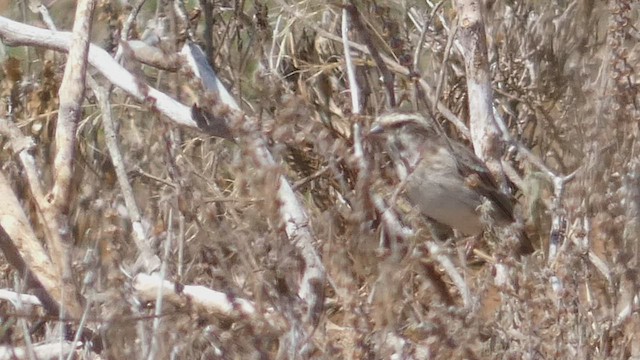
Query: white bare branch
[[147, 287]]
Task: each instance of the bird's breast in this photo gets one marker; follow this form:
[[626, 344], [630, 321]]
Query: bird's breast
[[445, 198]]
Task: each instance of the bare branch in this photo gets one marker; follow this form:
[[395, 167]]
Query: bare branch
[[56, 209], [42, 351], [373, 51], [348, 62], [485, 135], [150, 261], [15, 33], [71, 97], [44, 280], [16, 224], [148, 287], [292, 214]]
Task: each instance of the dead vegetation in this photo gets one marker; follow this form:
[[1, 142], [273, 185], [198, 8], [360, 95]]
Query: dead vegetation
[[564, 83]]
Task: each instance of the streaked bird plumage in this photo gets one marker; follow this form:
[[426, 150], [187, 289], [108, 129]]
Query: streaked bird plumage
[[443, 178]]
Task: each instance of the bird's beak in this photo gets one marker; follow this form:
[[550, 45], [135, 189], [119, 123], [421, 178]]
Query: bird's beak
[[376, 130]]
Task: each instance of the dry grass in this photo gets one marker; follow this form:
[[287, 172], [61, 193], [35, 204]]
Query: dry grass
[[564, 81]]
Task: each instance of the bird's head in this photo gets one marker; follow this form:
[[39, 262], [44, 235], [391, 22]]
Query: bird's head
[[405, 136]]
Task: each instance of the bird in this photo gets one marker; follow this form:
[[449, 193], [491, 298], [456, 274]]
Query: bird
[[443, 178]]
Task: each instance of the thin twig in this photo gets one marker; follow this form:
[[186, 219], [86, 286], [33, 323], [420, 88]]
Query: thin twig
[[353, 82], [395, 67], [150, 261], [373, 51], [423, 33], [443, 67], [155, 332]]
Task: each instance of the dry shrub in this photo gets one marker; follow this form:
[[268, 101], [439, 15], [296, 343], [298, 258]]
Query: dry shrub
[[564, 82]]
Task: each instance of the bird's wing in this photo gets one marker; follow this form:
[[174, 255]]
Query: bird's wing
[[480, 178]]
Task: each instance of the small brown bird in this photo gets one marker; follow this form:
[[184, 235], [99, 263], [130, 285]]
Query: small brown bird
[[443, 178]]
